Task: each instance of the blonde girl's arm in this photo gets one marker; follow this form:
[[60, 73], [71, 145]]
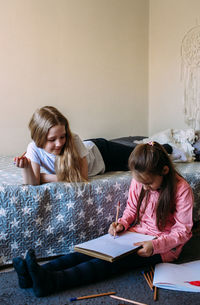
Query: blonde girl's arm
[[31, 173], [46, 178], [84, 168]]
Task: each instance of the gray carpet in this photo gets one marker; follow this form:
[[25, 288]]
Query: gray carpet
[[130, 285]]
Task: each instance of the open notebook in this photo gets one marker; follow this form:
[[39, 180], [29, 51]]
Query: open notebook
[[183, 277], [109, 248]]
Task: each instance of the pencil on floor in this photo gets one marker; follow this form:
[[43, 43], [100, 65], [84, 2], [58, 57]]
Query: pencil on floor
[[92, 296], [151, 275], [126, 300], [155, 293], [147, 280], [152, 270]]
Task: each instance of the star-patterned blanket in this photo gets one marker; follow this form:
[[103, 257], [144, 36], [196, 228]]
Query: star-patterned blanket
[[53, 217]]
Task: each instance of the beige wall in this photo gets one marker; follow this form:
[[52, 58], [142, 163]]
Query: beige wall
[[89, 58], [169, 21]]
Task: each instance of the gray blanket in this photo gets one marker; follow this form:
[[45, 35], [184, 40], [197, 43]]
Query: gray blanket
[[54, 217]]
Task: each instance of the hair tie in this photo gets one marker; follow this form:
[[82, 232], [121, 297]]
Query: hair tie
[[151, 143]]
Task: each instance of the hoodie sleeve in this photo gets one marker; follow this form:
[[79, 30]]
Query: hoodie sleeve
[[180, 231], [129, 214]]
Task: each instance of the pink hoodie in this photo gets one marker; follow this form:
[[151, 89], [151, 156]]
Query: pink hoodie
[[177, 232]]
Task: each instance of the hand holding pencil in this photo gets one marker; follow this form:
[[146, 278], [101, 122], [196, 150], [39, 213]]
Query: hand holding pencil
[[116, 227], [22, 161]]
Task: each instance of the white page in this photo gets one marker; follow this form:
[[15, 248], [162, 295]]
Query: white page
[[176, 276], [114, 247]]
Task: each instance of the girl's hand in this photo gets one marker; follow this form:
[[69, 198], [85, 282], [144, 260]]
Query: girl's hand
[[115, 228], [147, 248], [22, 162]]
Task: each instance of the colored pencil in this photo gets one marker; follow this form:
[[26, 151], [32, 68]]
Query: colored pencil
[[117, 215], [155, 293], [151, 275], [147, 280], [92, 296], [23, 154], [150, 281], [126, 300], [155, 288], [14, 161]]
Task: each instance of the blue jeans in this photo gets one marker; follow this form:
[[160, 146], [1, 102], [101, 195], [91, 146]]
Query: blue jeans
[[75, 269]]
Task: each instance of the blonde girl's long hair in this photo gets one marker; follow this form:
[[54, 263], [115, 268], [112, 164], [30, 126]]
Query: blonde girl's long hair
[[67, 164], [151, 159]]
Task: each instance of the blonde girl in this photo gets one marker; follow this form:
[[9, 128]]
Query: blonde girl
[[53, 144], [62, 155]]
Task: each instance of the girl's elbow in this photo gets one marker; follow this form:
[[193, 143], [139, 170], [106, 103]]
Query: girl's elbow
[[34, 183]]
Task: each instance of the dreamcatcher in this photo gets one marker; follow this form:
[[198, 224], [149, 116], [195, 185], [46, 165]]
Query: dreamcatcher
[[190, 53]]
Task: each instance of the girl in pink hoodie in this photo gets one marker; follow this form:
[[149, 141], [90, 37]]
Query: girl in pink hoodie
[[160, 203]]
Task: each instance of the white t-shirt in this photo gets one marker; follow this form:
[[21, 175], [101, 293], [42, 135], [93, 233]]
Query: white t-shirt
[[95, 161], [85, 149]]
